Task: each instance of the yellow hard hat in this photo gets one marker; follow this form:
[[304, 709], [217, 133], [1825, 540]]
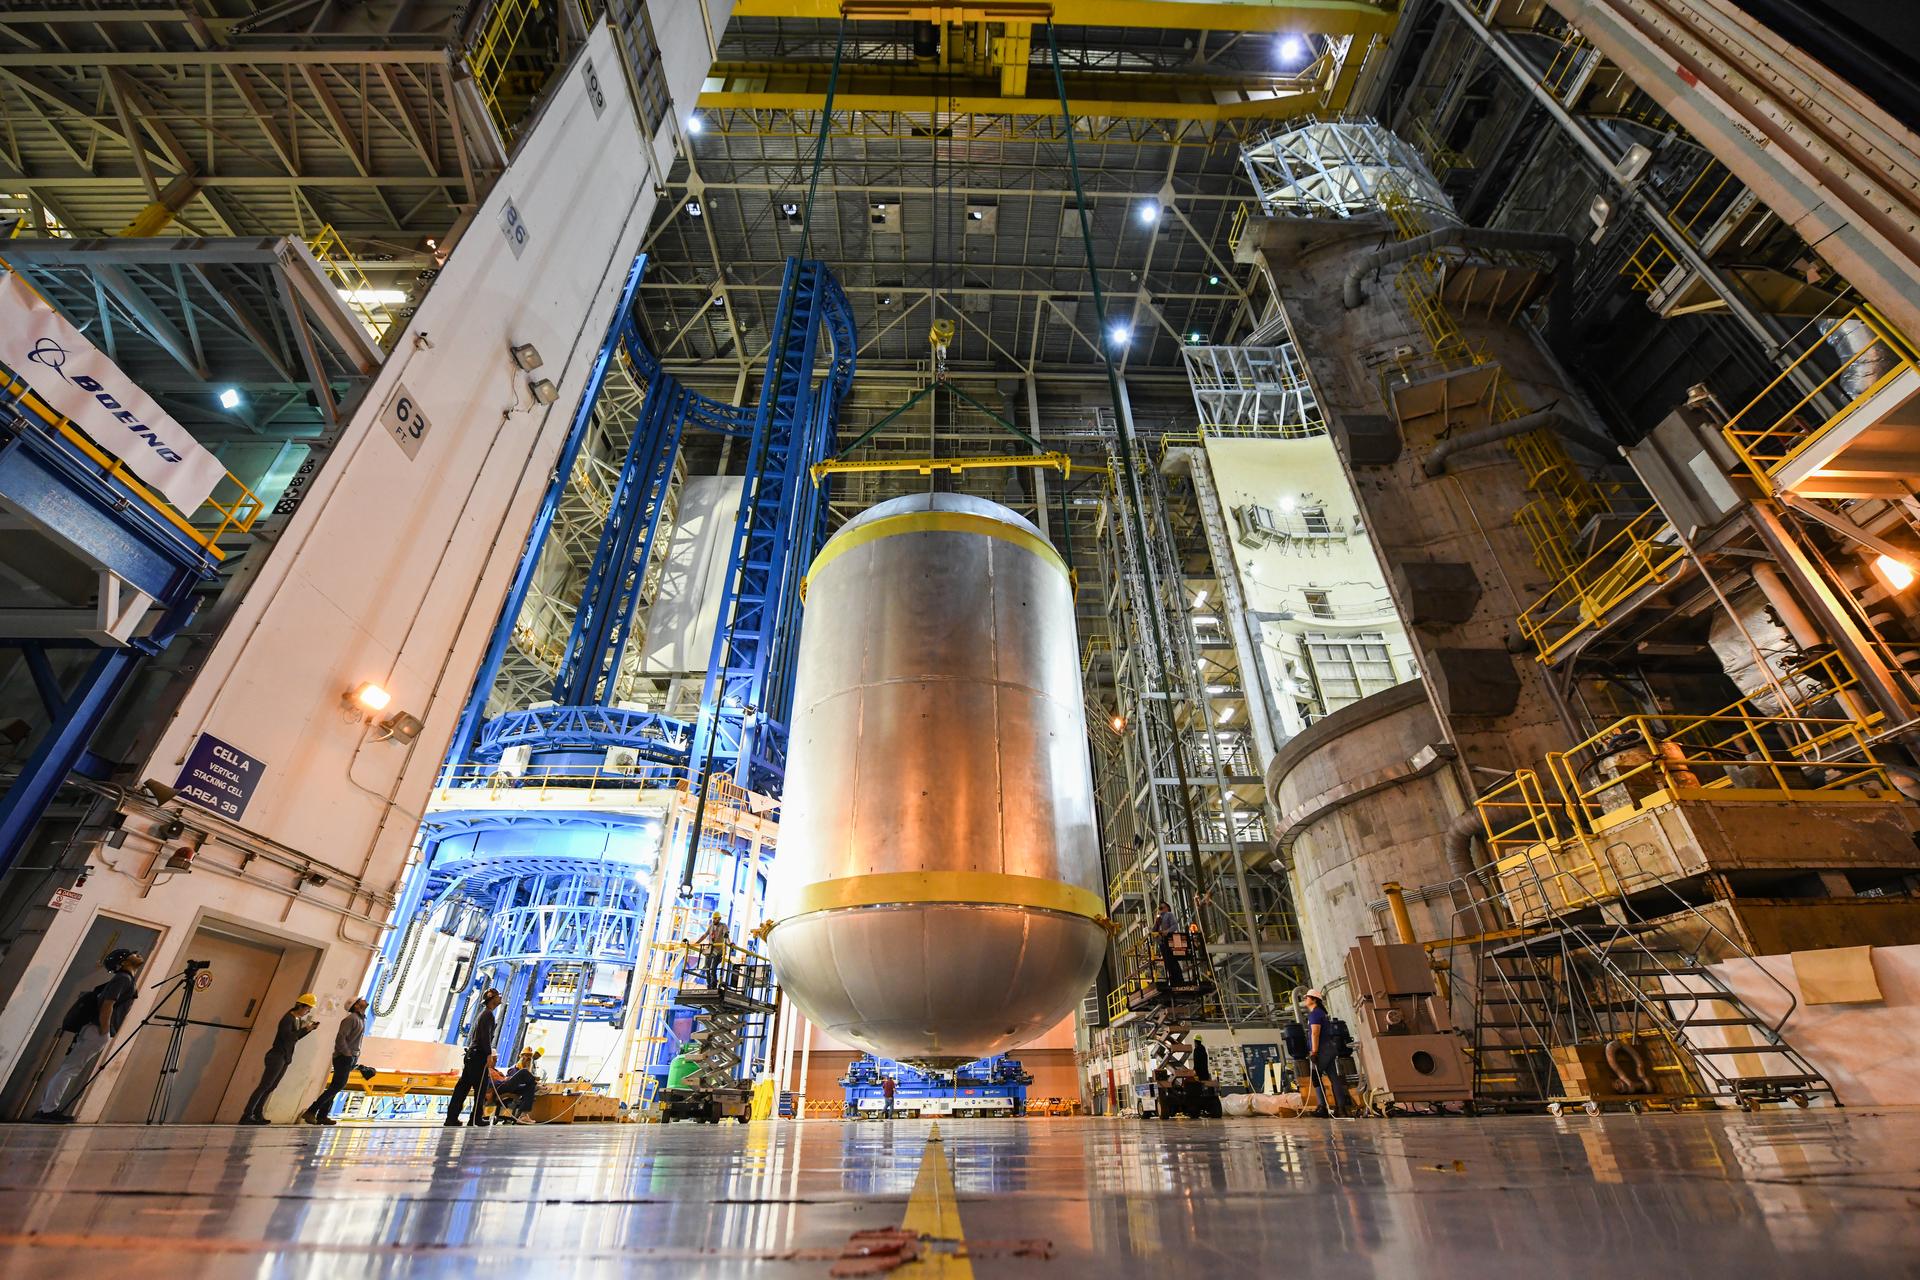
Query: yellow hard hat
[[307, 1000]]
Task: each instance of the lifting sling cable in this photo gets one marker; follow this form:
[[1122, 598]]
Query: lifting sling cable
[[782, 332], [1136, 527]]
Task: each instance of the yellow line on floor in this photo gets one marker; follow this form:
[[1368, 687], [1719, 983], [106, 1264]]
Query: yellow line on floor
[[933, 1214]]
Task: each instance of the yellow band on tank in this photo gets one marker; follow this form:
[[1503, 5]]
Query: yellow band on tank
[[935, 522], [985, 888]]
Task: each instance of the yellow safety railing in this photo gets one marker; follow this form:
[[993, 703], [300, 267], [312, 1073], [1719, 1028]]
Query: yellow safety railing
[[1775, 427], [1238, 228], [1547, 835], [1702, 197], [356, 290], [1060, 462], [1565, 497], [491, 61], [1644, 552], [1649, 265], [1441, 159], [727, 802], [233, 506], [1566, 63]]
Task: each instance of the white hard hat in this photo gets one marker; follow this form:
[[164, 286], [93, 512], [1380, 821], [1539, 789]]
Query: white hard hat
[[1316, 993]]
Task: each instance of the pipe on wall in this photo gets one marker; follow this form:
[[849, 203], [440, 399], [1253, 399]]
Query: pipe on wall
[[1547, 419], [1558, 304]]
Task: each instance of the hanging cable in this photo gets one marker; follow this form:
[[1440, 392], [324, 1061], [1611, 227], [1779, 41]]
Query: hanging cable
[[1123, 427]]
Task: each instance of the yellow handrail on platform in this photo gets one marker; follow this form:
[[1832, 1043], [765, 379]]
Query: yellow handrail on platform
[[236, 515], [1784, 434]]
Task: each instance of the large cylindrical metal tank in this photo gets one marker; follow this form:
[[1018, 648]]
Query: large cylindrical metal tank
[[937, 885]]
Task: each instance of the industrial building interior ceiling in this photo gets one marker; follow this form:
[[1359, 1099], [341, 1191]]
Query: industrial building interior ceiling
[[827, 614]]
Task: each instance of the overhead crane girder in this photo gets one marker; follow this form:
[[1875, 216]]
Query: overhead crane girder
[[1319, 17]]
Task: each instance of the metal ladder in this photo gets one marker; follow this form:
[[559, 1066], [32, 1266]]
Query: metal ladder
[[1677, 994], [1516, 1005]]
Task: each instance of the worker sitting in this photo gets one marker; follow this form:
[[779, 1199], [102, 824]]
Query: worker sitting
[[515, 1090]]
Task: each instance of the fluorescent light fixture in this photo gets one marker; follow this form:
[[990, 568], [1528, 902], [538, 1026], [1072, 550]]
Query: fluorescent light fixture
[[229, 397], [373, 297], [1199, 597], [1226, 714], [370, 697], [1898, 573]]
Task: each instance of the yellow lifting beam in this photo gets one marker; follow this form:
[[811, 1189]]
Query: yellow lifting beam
[[927, 466], [1315, 17]]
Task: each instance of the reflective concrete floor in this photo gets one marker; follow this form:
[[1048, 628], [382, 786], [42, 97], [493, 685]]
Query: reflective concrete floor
[[1822, 1193]]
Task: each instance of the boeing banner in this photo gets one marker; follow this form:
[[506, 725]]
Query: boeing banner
[[73, 377]]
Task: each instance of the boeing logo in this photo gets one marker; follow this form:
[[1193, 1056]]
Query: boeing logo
[[51, 355]]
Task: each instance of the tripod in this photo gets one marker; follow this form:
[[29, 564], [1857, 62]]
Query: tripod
[[183, 984]]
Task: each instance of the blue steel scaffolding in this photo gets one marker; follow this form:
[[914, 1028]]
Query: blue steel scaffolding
[[552, 860], [87, 508]]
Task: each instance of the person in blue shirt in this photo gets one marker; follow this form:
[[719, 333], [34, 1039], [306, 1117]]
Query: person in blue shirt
[[1323, 1055]]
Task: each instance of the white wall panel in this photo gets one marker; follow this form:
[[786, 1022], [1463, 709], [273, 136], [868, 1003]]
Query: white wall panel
[[394, 569], [681, 620]]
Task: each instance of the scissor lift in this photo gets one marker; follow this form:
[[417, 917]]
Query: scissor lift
[[731, 991], [1166, 1010]]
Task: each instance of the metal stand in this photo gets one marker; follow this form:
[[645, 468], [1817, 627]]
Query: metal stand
[[184, 984]]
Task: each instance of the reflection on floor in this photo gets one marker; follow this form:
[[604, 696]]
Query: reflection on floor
[[1828, 1193]]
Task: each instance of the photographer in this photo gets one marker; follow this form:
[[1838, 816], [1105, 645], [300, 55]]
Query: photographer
[[94, 1019]]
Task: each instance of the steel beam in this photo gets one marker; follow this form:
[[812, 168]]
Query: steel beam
[[1317, 17]]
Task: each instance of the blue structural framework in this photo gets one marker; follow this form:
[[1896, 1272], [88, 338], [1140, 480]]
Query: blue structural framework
[[556, 900], [991, 1085], [91, 514]]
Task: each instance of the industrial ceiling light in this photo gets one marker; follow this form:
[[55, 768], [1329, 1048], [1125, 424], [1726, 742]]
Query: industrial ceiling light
[[1118, 335], [543, 390], [695, 124], [1199, 597], [1226, 714], [1898, 573], [693, 209], [1150, 213], [229, 397], [373, 297], [1118, 723], [1286, 503], [369, 697], [1292, 49], [527, 356], [1196, 339], [1213, 279]]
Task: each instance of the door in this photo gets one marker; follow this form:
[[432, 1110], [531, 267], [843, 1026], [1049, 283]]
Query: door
[[220, 1018], [48, 1044]]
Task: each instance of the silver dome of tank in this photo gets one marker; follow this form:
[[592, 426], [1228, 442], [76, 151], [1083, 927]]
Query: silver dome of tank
[[936, 892]]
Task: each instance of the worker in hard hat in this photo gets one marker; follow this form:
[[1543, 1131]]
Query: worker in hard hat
[[515, 1090], [1323, 1054], [296, 1024], [713, 947]]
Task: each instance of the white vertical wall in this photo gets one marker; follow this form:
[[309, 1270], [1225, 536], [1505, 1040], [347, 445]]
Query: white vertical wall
[[394, 568]]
